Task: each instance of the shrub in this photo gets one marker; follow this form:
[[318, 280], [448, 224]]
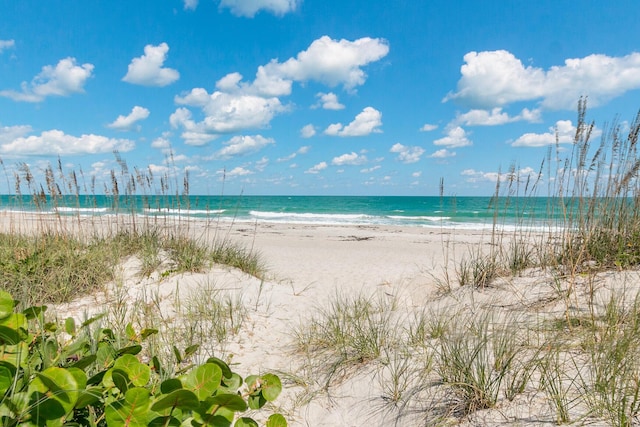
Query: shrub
[[52, 375]]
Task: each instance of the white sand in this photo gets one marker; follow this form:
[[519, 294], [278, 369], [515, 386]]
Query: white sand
[[309, 265]]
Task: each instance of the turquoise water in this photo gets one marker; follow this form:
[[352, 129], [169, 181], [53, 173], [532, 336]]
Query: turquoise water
[[459, 212]]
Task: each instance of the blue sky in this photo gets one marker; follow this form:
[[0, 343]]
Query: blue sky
[[310, 97]]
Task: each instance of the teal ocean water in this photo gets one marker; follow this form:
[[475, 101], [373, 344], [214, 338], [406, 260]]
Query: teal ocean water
[[457, 212]]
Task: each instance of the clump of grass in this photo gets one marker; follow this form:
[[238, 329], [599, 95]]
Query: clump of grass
[[52, 268], [351, 331], [235, 255], [477, 358], [477, 271]]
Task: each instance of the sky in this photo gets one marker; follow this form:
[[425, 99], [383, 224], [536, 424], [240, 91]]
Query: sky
[[310, 97]]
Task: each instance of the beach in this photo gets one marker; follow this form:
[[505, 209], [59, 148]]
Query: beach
[[310, 269]]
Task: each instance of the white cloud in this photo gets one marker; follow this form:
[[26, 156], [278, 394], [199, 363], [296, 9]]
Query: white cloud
[[495, 117], [248, 8], [308, 131], [328, 61], [456, 137], [9, 133], [317, 168], [480, 176], [224, 113], [242, 145], [564, 130], [371, 169], [407, 154], [442, 154], [262, 164], [302, 150], [497, 78], [147, 69], [56, 142], [62, 80], [417, 174], [190, 4], [6, 44], [365, 123], [237, 171], [428, 127], [126, 122], [329, 101], [349, 159], [161, 143]]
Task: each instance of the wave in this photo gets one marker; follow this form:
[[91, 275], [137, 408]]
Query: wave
[[185, 211], [420, 218], [67, 209]]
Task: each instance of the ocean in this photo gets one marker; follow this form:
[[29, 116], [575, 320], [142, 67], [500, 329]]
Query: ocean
[[436, 212]]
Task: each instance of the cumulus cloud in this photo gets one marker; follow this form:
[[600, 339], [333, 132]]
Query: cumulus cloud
[[407, 154], [497, 78], [428, 127], [9, 133], [161, 143], [56, 142], [248, 8], [474, 176], [349, 159], [237, 105], [317, 168], [62, 80], [124, 123], [365, 123], [329, 101], [224, 113], [242, 145], [147, 69], [190, 4], [456, 137], [302, 150], [443, 153], [496, 117], [237, 171], [307, 131], [563, 132], [6, 44]]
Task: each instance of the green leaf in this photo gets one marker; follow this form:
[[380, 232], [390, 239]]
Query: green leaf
[[183, 399], [167, 421], [276, 420], [245, 422], [70, 326], [204, 380], [91, 320], [89, 396], [139, 373], [146, 333], [256, 401], [133, 411], [54, 392], [131, 333], [85, 362], [271, 387], [9, 336], [169, 385], [233, 402], [132, 349], [15, 355], [34, 312], [6, 304], [233, 382], [189, 351], [6, 379], [176, 353], [120, 379], [226, 371]]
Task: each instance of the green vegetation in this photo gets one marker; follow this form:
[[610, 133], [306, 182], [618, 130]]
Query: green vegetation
[[54, 375]]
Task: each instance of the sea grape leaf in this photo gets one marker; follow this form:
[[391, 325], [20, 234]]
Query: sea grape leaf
[[6, 304], [271, 387], [226, 371], [204, 380], [276, 420], [70, 326], [6, 378], [245, 422], [132, 411], [232, 402], [139, 373], [183, 399], [54, 393]]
